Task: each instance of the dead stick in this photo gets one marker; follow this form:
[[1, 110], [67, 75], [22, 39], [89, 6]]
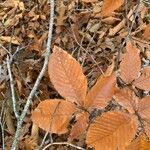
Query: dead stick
[[41, 74]]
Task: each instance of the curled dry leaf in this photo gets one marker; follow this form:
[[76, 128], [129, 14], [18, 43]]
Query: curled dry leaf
[[112, 130], [130, 65], [80, 126], [143, 82], [140, 143], [53, 115], [101, 92], [110, 5], [67, 77], [127, 99]]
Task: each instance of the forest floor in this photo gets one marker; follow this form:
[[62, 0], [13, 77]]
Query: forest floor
[[81, 30]]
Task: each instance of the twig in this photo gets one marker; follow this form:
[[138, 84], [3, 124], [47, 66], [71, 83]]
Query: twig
[[31, 95], [12, 87], [63, 143]]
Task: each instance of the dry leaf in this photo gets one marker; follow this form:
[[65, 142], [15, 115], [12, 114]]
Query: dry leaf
[[53, 115], [101, 92], [67, 77], [140, 143], [146, 33], [127, 99], [112, 130], [9, 39], [143, 82], [109, 6], [79, 127], [130, 65], [144, 108], [89, 1]]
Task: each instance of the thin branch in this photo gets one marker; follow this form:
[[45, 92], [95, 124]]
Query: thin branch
[[12, 87], [41, 74], [63, 143]]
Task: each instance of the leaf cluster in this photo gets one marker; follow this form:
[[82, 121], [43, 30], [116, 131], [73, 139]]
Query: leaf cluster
[[111, 130]]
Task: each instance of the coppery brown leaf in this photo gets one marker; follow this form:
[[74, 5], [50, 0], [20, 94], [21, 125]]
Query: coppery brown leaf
[[80, 126], [146, 33], [130, 65], [112, 130], [101, 92], [110, 5], [141, 143], [143, 82], [67, 77], [127, 99], [53, 115]]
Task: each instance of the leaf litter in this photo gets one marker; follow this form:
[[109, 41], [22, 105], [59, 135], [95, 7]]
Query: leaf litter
[[87, 31]]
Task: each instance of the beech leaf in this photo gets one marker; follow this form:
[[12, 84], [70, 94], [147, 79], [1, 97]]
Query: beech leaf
[[79, 127], [140, 143], [130, 65], [112, 130], [67, 77], [143, 82], [146, 33], [127, 99], [101, 92], [110, 5], [53, 115]]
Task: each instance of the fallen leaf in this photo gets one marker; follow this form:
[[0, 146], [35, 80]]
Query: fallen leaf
[[143, 82], [126, 98], [140, 143], [67, 76], [101, 92], [79, 127], [130, 65], [9, 39], [53, 115], [112, 130], [109, 6]]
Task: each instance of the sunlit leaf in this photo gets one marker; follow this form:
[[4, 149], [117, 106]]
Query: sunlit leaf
[[89, 1], [67, 77], [143, 82], [110, 5], [53, 115], [146, 33], [112, 130], [131, 64], [101, 92]]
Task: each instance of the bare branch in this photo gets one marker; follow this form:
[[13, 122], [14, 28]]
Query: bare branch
[[63, 143], [41, 74], [12, 87]]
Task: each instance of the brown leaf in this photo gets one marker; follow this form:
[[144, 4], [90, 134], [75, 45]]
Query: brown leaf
[[144, 108], [140, 143], [146, 33], [9, 39], [130, 65], [79, 127], [89, 1], [101, 92], [67, 77], [143, 82], [53, 115], [127, 99], [112, 130], [109, 6]]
